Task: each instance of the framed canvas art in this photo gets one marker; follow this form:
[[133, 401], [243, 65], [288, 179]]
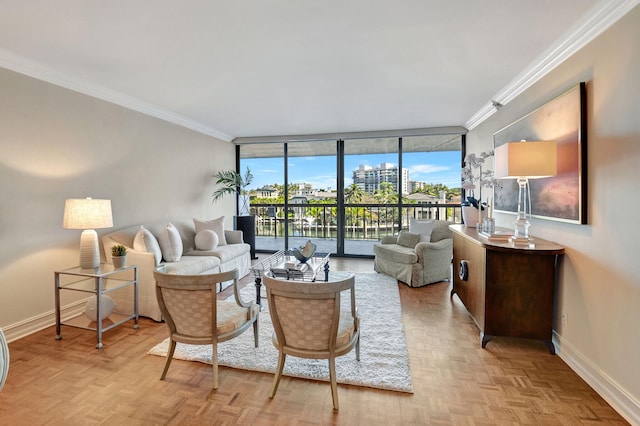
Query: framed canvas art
[[562, 197]]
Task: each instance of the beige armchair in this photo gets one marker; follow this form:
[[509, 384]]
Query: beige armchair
[[194, 315], [422, 264], [309, 322]]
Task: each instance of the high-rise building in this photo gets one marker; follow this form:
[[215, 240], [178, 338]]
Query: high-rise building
[[369, 178]]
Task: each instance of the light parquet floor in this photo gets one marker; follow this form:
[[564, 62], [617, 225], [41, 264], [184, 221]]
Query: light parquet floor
[[511, 382]]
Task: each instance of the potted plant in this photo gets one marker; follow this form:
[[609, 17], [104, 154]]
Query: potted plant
[[119, 255], [232, 182], [472, 207]]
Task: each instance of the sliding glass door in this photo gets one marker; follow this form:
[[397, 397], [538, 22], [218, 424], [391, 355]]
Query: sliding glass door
[[372, 178], [346, 195]]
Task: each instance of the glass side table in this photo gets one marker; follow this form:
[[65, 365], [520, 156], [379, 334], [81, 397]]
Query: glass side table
[[100, 282]]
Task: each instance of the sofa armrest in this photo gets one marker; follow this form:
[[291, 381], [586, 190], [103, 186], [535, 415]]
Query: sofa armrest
[[439, 251], [141, 258], [234, 237], [389, 239]]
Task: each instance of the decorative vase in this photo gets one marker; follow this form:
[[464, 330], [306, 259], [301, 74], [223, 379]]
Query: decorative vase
[[243, 205], [470, 216], [107, 305], [119, 262]]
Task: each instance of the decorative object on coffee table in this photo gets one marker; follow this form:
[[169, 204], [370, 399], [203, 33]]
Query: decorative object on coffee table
[[119, 256], [305, 252]]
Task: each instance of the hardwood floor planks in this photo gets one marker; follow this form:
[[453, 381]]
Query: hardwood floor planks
[[512, 381]]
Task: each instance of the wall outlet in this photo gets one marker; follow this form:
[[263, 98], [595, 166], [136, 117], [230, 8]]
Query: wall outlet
[[564, 318]]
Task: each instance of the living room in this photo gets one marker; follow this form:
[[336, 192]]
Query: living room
[[59, 143]]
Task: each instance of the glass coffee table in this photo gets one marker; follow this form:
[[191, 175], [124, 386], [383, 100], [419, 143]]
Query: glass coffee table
[[282, 264]]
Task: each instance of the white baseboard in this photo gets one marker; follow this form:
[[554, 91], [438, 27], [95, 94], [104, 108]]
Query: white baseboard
[[621, 401], [40, 322]]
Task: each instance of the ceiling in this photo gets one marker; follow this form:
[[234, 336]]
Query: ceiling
[[249, 68]]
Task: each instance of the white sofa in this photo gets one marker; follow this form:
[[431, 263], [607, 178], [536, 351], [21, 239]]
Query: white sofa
[[223, 258]]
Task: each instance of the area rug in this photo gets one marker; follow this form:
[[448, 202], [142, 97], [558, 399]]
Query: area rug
[[384, 361]]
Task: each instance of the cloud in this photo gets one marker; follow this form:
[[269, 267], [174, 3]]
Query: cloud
[[427, 168]]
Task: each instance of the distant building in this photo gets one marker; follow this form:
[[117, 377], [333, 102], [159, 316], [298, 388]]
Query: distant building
[[369, 178], [265, 192], [305, 190], [415, 185]]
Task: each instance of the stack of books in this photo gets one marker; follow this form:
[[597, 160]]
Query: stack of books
[[284, 271], [497, 236]]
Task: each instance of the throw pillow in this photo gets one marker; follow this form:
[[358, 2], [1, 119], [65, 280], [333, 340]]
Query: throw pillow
[[146, 242], [171, 243], [215, 225], [407, 239], [422, 228], [206, 240]]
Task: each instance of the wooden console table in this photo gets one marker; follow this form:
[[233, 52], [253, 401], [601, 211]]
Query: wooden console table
[[508, 289]]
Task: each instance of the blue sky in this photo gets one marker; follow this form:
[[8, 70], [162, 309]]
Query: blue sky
[[431, 167]]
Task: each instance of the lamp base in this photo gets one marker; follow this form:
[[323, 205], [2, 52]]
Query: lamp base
[[89, 250]]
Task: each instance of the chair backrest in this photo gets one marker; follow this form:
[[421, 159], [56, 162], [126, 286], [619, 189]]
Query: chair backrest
[[441, 230], [188, 302], [306, 315]]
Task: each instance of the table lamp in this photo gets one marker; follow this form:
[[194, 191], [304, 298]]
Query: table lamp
[[88, 214], [525, 160]]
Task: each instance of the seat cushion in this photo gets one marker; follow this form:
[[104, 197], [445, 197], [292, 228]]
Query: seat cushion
[[231, 316], [346, 327], [224, 253], [396, 253], [192, 265]]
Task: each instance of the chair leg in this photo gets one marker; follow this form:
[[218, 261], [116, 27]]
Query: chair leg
[[255, 332], [215, 364], [172, 349], [276, 379], [358, 341], [334, 386]]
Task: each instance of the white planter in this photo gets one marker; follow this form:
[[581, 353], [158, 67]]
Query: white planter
[[470, 216], [119, 262]]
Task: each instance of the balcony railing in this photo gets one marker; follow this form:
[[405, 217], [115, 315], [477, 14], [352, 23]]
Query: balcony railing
[[362, 222]]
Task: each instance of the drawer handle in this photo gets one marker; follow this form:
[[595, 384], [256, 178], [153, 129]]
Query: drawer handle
[[463, 270]]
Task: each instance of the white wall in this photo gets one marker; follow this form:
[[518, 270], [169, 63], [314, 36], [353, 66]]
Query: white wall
[[57, 144], [599, 283]]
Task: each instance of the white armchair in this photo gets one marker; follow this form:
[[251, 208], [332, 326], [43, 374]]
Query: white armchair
[[420, 263]]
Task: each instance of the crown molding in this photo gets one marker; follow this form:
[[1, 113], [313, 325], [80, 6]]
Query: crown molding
[[599, 19], [425, 131], [38, 71]]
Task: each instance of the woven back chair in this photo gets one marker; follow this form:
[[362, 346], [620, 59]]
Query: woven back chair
[[309, 322], [194, 315]]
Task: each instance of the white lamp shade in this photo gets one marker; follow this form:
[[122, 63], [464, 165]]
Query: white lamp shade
[[87, 213], [526, 159]]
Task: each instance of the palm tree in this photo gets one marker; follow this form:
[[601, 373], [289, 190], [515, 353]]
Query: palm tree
[[232, 182], [353, 194]]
